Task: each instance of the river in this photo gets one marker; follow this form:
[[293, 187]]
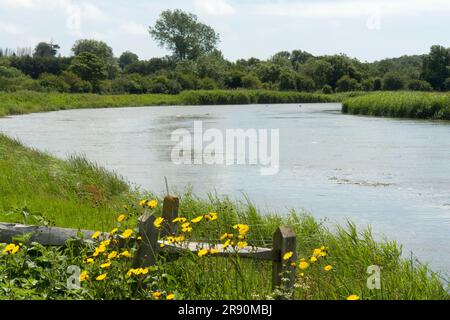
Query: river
[[393, 175]]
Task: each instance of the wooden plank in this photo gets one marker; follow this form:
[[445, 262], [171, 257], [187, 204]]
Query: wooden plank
[[169, 213], [195, 247], [47, 236], [148, 246], [284, 241]]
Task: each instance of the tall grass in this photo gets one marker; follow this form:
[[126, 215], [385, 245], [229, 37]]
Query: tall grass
[[28, 102], [422, 105], [36, 188]]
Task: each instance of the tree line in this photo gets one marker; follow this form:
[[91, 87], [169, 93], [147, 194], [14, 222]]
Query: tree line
[[196, 63]]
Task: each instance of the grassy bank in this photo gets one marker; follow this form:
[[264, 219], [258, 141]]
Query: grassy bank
[[28, 102], [420, 105], [38, 189]]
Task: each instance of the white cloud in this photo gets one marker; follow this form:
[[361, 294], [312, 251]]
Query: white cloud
[[351, 8], [213, 7], [10, 29], [134, 29]]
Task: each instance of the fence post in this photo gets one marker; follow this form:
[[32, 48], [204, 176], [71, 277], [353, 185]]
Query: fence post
[[148, 247], [284, 241], [170, 212]]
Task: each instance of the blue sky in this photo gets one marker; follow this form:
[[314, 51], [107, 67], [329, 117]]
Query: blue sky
[[366, 29]]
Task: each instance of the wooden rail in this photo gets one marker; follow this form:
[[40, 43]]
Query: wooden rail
[[284, 241]]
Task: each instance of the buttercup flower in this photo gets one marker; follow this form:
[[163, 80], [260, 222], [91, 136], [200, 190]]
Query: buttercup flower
[[126, 254], [158, 222], [121, 218], [170, 296], [226, 236], [212, 216], [288, 255], [105, 265], [328, 268], [152, 204], [113, 231], [313, 259], [127, 233], [353, 297], [101, 277], [242, 244], [84, 276], [203, 252], [242, 228], [90, 261], [303, 265], [112, 255], [156, 295], [96, 235], [197, 220]]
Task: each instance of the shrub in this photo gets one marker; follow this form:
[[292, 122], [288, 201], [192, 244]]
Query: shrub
[[327, 89], [393, 81], [419, 85], [53, 83], [346, 84]]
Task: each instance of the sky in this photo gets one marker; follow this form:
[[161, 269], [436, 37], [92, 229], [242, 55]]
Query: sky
[[366, 29]]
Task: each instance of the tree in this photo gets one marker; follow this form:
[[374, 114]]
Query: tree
[[182, 33], [393, 81], [101, 50], [436, 67], [447, 84], [346, 84], [46, 50], [419, 85], [89, 67], [127, 58], [320, 70], [304, 83], [287, 80]]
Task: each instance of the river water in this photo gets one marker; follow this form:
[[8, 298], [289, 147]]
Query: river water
[[393, 175]]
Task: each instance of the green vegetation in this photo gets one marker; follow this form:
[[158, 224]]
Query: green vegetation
[[38, 189], [195, 63], [401, 104], [23, 102]]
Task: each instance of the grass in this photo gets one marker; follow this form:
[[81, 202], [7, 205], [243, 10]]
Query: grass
[[29, 101], [38, 189], [422, 105]]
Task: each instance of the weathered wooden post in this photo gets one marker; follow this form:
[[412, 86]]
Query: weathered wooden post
[[148, 246], [170, 212], [284, 241]]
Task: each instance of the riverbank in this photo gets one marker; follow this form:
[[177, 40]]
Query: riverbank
[[28, 102], [38, 189], [420, 105]]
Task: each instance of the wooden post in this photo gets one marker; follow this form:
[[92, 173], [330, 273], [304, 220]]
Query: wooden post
[[284, 241], [170, 212], [148, 246]]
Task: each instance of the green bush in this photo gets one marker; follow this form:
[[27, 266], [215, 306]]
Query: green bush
[[419, 85]]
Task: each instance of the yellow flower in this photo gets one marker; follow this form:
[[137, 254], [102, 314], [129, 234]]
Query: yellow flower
[[105, 243], [227, 244], [302, 274], [130, 272], [158, 222], [84, 276], [328, 268], [317, 252], [197, 220], [139, 238], [101, 248], [126, 254], [105, 265], [101, 277], [90, 261], [303, 265], [323, 248], [313, 259], [203, 252], [322, 254], [242, 228], [121, 218], [142, 203], [127, 233], [242, 244], [152, 204], [212, 216], [214, 251], [96, 235], [11, 248], [179, 219], [113, 231], [156, 295], [170, 296], [112, 255], [288, 255], [226, 236], [353, 297]]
